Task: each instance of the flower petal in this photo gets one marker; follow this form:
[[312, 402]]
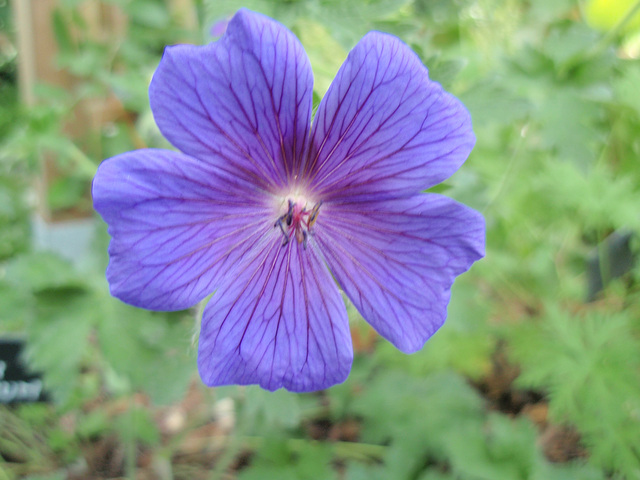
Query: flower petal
[[242, 103], [396, 260], [280, 323], [175, 226], [385, 129]]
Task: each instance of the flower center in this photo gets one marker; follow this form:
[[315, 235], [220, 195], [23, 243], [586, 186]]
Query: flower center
[[297, 221]]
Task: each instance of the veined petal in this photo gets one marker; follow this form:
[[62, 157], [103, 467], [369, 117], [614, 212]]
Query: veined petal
[[280, 322], [175, 225], [243, 103], [384, 129], [396, 260]]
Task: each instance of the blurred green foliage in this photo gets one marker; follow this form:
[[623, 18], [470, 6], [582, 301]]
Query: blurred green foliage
[[552, 87]]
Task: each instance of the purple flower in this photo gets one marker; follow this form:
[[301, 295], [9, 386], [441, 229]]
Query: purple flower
[[266, 210]]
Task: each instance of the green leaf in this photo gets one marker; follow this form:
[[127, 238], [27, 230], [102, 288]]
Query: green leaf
[[16, 305], [626, 87], [149, 13], [137, 425], [591, 369], [40, 271], [433, 474], [269, 472], [149, 350], [279, 409], [444, 71], [93, 425], [58, 338], [66, 192], [567, 124], [62, 31], [294, 460], [406, 455], [597, 200], [436, 403], [567, 42], [491, 102], [356, 471]]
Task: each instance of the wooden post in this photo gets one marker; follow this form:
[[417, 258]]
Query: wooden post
[[37, 48]]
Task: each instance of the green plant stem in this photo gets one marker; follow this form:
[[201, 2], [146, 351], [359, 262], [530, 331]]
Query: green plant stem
[[508, 172], [84, 164]]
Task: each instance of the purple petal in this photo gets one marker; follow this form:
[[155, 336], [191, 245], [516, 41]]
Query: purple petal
[[242, 103], [383, 128], [176, 226], [280, 323], [219, 27], [396, 260]]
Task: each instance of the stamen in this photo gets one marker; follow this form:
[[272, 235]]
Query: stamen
[[290, 212], [299, 222]]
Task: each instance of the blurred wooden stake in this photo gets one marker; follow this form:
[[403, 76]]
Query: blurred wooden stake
[[37, 48]]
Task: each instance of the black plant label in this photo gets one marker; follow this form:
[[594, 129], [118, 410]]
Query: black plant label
[[17, 383]]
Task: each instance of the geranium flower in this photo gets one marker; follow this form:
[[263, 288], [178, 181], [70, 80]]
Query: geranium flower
[[266, 210]]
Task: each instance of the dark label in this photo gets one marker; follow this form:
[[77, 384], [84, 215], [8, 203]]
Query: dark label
[[17, 384]]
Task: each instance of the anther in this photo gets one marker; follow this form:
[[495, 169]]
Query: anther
[[313, 215], [289, 213]]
